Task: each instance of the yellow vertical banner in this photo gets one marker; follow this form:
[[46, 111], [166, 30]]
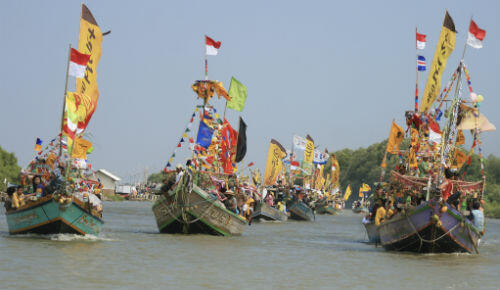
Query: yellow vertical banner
[[347, 193], [444, 48], [89, 42], [307, 164], [274, 163], [309, 151], [335, 171]]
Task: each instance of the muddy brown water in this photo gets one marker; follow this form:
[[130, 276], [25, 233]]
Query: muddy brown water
[[330, 253]]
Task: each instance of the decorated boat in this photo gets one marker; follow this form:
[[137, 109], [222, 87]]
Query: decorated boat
[[188, 209], [301, 212], [48, 215], [63, 197], [438, 205], [266, 212], [205, 195]]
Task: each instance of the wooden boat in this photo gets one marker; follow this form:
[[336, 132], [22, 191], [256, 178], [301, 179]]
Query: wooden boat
[[300, 211], [327, 209], [48, 216], [372, 232], [426, 229], [264, 211], [190, 210]]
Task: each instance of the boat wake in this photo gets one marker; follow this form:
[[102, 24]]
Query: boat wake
[[65, 237]]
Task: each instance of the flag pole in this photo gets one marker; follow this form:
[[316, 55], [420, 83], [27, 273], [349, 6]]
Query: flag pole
[[416, 83], [206, 60], [64, 102], [465, 45]]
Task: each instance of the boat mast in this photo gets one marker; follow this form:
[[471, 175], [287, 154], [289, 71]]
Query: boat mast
[[64, 102], [452, 115]]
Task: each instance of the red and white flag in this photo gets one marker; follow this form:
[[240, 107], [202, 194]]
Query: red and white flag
[[476, 35], [294, 165], [421, 41], [434, 132], [78, 63], [212, 46]]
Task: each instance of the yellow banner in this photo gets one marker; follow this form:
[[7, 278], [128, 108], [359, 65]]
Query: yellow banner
[[347, 193], [89, 42], [309, 151], [459, 159], [395, 138], [460, 138], [274, 163], [445, 46], [80, 148], [335, 171]]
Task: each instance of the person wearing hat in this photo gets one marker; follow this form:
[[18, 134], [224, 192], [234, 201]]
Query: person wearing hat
[[230, 202], [179, 171]]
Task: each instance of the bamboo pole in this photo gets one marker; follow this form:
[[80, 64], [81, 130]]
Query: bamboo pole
[[64, 102]]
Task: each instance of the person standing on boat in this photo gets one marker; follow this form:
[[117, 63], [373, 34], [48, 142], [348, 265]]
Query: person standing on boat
[[477, 216], [179, 172], [381, 212]]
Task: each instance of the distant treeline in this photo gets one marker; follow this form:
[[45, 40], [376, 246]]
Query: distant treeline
[[9, 170]]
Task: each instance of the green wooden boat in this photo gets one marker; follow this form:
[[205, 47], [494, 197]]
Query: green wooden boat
[[48, 216], [266, 212], [327, 210], [300, 211], [190, 210]]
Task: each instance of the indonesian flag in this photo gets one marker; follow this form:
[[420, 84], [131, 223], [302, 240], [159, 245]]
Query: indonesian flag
[[78, 63], [421, 41], [434, 132], [476, 35], [212, 46], [294, 165]]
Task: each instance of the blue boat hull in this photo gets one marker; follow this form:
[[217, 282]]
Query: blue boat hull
[[50, 217]]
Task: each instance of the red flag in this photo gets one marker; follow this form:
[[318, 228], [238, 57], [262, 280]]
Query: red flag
[[250, 164]]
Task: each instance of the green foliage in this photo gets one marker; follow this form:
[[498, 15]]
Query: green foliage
[[8, 168]]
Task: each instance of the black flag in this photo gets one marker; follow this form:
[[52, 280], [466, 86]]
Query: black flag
[[241, 148]]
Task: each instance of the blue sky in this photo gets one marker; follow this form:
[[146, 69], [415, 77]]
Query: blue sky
[[337, 70]]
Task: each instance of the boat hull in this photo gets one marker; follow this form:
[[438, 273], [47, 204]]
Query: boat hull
[[50, 217], [200, 215], [300, 211], [426, 229], [266, 212], [372, 232], [327, 210]]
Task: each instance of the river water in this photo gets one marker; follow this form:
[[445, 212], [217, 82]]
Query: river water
[[329, 253]]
